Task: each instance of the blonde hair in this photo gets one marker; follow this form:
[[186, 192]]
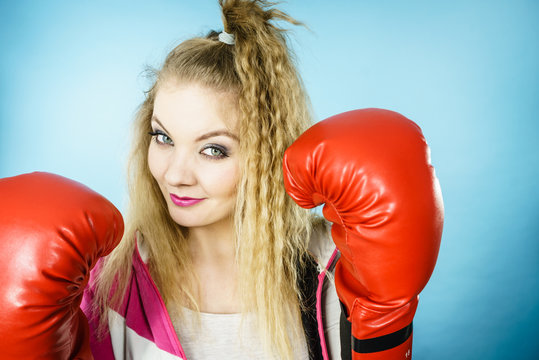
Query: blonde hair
[[271, 231]]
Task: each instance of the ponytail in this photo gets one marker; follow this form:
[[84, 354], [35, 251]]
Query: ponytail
[[272, 230]]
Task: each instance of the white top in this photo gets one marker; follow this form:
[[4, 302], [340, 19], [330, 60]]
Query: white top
[[223, 336]]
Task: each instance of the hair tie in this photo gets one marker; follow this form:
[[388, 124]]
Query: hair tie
[[226, 38]]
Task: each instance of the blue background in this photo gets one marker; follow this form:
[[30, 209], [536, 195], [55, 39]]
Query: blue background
[[466, 71]]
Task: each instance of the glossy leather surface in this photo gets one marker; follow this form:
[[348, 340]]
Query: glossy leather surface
[[371, 168], [52, 232]]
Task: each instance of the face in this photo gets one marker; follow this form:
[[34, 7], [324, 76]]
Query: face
[[193, 154]]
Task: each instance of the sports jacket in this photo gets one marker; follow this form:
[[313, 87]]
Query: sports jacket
[[142, 329]]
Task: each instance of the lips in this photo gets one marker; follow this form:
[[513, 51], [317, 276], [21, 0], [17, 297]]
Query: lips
[[184, 201]]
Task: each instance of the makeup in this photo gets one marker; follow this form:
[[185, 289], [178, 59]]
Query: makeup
[[184, 201]]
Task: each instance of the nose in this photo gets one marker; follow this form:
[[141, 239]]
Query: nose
[[180, 170]]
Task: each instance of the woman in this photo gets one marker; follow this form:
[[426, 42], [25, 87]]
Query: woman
[[207, 203], [217, 261]]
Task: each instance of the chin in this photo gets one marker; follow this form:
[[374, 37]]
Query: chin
[[186, 221], [197, 220]]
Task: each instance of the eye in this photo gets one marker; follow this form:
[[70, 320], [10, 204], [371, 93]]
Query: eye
[[215, 151], [161, 137]]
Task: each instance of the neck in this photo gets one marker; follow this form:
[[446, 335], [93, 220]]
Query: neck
[[214, 261], [214, 244]]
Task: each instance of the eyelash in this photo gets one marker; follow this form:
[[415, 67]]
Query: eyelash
[[222, 149], [155, 135]]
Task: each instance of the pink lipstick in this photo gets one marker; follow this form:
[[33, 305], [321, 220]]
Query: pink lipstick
[[184, 201]]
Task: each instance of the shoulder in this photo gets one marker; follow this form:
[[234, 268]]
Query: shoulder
[[109, 276], [323, 249]]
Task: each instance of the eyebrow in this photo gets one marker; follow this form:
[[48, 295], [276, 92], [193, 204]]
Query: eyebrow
[[208, 135], [217, 133]]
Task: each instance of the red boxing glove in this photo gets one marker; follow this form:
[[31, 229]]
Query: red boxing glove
[[372, 170], [52, 232]]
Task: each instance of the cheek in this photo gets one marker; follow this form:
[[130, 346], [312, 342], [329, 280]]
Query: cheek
[[222, 181], [233, 180], [155, 163]]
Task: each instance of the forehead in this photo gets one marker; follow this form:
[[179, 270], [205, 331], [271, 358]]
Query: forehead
[[194, 107]]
